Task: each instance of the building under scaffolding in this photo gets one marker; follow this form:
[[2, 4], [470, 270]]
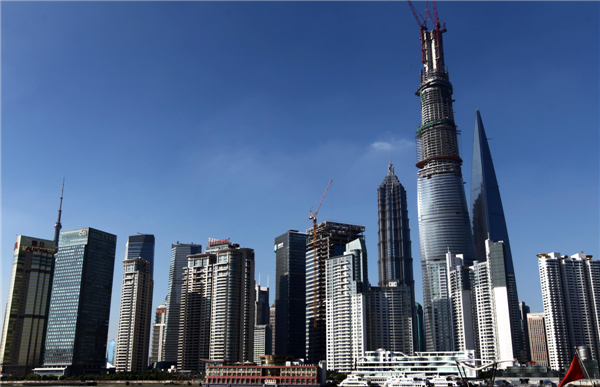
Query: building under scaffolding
[[331, 240], [444, 223]]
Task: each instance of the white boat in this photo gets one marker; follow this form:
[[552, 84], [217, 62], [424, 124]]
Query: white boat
[[354, 381], [445, 382], [406, 382]]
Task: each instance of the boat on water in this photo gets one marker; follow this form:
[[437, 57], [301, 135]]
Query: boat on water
[[354, 381], [406, 382], [445, 382]]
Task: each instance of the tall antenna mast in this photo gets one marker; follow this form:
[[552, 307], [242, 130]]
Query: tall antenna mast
[[58, 226]]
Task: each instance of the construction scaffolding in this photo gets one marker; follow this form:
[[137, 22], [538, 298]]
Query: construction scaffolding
[[331, 239]]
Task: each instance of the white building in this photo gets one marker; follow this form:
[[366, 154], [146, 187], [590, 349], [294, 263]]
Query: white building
[[133, 337], [262, 342], [571, 296], [460, 294], [347, 282], [158, 333], [378, 366]]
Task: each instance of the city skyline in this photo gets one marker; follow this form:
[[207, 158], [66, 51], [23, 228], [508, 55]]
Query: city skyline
[[362, 110]]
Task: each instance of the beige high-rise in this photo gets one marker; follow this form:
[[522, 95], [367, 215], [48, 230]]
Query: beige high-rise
[[537, 338]]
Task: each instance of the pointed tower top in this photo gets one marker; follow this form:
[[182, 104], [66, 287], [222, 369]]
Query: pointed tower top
[[58, 225], [391, 167]]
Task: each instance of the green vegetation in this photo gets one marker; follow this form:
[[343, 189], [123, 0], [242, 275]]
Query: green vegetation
[[337, 376]]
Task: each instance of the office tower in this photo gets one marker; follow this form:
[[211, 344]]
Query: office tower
[[289, 328], [179, 253], [390, 322], [420, 329], [80, 303], [489, 223], [217, 306], [261, 305], [571, 296], [524, 310], [329, 241], [158, 333], [443, 214], [110, 352], [26, 314], [135, 317], [272, 325], [346, 293], [395, 257], [459, 282], [262, 342], [538, 347]]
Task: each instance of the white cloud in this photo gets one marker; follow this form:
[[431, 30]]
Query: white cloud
[[391, 145]]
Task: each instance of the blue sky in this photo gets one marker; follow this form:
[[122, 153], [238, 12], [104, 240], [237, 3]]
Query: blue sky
[[197, 120]]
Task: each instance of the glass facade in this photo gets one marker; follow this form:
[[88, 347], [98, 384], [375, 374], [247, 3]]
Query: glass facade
[[26, 314], [80, 301], [141, 246], [444, 223], [179, 253], [395, 256], [290, 294]]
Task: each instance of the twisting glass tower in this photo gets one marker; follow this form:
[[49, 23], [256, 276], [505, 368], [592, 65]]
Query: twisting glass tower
[[444, 223]]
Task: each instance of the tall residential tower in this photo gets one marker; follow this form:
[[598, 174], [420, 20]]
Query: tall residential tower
[[443, 214], [135, 316], [179, 253]]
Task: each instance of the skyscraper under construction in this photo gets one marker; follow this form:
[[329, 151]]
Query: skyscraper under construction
[[444, 223]]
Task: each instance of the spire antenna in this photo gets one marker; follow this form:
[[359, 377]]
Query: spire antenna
[[58, 225]]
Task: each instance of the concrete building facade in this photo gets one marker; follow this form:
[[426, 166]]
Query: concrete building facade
[[135, 316], [346, 302], [538, 346], [158, 334], [26, 316]]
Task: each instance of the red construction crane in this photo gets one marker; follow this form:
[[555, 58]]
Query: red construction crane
[[422, 22], [313, 217]]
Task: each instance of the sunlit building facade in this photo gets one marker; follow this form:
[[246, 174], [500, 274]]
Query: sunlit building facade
[[26, 315]]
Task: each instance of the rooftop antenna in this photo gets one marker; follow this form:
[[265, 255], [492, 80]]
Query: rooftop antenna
[[58, 226], [259, 279], [268, 277]]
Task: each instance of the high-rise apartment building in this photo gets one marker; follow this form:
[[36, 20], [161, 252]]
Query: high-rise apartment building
[[329, 241], [262, 342], [26, 315], [489, 223], [289, 324], [80, 303], [443, 215], [395, 270], [135, 317], [179, 253], [217, 306], [459, 283], [261, 305], [158, 332], [347, 286], [538, 346], [390, 323], [571, 296]]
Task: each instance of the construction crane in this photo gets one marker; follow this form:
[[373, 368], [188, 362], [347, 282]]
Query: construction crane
[[422, 22], [313, 216]]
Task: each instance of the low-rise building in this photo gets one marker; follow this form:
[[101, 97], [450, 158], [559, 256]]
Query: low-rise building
[[273, 370]]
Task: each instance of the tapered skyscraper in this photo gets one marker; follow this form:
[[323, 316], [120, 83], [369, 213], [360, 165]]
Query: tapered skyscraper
[[395, 257], [443, 214], [489, 223]]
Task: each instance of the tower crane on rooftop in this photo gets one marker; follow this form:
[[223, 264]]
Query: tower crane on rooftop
[[313, 216]]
